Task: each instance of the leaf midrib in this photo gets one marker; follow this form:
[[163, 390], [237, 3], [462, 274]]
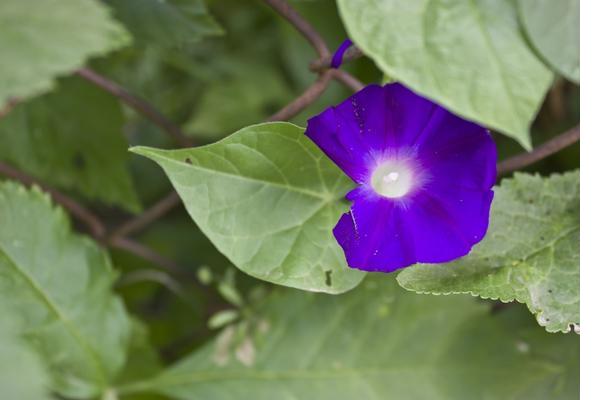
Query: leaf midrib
[[298, 374], [327, 197], [95, 359]]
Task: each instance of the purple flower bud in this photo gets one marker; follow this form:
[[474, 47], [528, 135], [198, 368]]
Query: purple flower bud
[[338, 56], [424, 178]]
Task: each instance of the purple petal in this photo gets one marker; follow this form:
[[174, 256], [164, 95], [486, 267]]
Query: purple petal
[[372, 237], [385, 235], [369, 124], [457, 150]]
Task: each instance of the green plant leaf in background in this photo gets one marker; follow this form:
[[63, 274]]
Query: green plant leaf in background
[[268, 199], [469, 56], [142, 361], [378, 343], [250, 94], [72, 138], [553, 29], [530, 253], [22, 373], [44, 38], [166, 22], [60, 286]]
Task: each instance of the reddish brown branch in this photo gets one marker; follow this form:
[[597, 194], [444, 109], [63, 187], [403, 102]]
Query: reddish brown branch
[[95, 226], [138, 249], [8, 107], [324, 63], [139, 105], [347, 79], [546, 149], [159, 209], [311, 94], [301, 25]]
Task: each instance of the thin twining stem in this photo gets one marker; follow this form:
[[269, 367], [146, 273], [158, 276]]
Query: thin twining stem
[[304, 100], [93, 223], [133, 247], [544, 150], [153, 213], [301, 25], [348, 79], [141, 106]]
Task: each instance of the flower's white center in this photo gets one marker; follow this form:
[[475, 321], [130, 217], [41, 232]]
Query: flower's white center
[[392, 179]]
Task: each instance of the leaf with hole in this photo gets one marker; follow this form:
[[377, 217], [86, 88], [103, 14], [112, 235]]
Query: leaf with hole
[[530, 253], [268, 199]]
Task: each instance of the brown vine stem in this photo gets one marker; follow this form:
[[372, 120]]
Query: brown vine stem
[[304, 100], [348, 80], [301, 25], [139, 105], [95, 226], [544, 150], [323, 64], [153, 213], [133, 247], [8, 107]]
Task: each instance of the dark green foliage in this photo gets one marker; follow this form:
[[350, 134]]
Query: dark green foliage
[[204, 300]]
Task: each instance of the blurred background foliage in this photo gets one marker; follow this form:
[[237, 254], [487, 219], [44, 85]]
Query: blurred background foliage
[[212, 74]]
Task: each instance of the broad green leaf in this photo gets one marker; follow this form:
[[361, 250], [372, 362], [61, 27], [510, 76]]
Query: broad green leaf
[[166, 22], [60, 286], [268, 199], [553, 28], [376, 342], [41, 39], [72, 138], [22, 373], [530, 253], [468, 55]]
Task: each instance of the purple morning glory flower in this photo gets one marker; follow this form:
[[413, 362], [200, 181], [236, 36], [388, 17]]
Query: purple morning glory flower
[[424, 178]]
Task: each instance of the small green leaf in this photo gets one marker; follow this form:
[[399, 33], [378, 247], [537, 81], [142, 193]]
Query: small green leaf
[[268, 199], [227, 289], [374, 343], [22, 373], [470, 56], [530, 253], [60, 285], [44, 38], [553, 28], [223, 318], [166, 23], [72, 138], [204, 275]]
